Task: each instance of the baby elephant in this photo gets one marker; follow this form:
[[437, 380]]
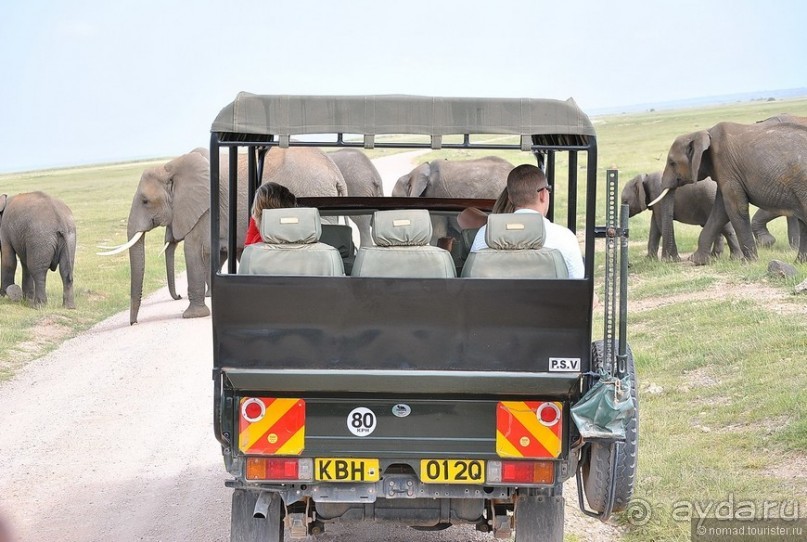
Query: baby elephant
[[41, 231], [693, 203]]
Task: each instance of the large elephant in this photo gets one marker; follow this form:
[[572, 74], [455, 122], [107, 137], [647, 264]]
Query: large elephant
[[362, 180], [305, 171], [693, 203], [40, 230], [763, 164], [177, 195], [481, 178]]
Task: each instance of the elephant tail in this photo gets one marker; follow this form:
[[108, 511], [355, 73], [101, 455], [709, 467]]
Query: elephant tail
[[65, 253]]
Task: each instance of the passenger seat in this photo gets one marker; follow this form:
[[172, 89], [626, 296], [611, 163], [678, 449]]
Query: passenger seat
[[291, 246], [516, 250], [402, 248]]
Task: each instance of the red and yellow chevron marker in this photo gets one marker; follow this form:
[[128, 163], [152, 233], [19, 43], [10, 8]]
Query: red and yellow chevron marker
[[529, 429], [271, 426]]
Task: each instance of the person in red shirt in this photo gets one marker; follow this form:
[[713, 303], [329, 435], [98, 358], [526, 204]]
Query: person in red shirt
[[268, 196]]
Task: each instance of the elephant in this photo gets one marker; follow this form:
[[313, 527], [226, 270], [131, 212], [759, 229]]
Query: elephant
[[306, 171], [362, 180], [177, 195], [480, 178], [693, 203], [764, 164], [180, 187], [40, 230]]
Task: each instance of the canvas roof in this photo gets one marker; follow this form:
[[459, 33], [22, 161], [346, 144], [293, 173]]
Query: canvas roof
[[285, 116]]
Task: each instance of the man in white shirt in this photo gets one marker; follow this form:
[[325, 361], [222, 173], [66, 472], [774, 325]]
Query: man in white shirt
[[528, 191]]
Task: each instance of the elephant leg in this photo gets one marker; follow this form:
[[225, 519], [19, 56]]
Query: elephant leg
[[9, 268], [27, 284], [40, 287], [653, 240], [170, 274], [793, 235], [197, 259], [714, 225], [735, 202], [363, 224], [719, 244], [732, 242], [664, 219], [66, 272], [802, 257], [759, 227]]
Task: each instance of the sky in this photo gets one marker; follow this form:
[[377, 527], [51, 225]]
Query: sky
[[92, 81]]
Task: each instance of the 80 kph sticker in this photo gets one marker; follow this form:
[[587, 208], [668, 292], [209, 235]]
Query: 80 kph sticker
[[361, 421]]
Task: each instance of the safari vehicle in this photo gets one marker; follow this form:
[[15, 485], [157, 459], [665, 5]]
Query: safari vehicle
[[423, 400]]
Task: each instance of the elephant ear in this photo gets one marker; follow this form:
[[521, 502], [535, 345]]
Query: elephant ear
[[190, 188], [642, 195], [697, 146], [3, 201], [419, 181]]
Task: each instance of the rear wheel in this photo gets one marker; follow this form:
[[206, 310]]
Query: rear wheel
[[246, 528], [597, 460], [539, 518]]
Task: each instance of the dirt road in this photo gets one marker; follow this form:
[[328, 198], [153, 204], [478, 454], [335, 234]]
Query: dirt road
[[110, 439]]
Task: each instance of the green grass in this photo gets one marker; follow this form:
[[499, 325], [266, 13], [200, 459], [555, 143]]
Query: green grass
[[725, 344], [99, 198]]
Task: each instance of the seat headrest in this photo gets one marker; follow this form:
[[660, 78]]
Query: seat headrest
[[515, 231], [297, 225], [409, 227]]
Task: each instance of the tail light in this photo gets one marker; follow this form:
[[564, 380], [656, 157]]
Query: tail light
[[521, 472], [279, 468]]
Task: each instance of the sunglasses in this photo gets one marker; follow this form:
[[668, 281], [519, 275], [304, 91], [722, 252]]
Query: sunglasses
[[547, 188]]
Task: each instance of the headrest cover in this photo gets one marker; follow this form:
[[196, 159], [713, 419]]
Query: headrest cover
[[297, 225], [515, 231], [409, 228]]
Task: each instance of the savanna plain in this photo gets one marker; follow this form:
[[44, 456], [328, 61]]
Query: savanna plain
[[719, 349]]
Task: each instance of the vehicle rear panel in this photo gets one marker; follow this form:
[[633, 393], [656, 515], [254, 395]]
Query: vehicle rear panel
[[369, 326]]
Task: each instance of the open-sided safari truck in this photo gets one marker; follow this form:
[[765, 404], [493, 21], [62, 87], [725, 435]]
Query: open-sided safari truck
[[398, 394]]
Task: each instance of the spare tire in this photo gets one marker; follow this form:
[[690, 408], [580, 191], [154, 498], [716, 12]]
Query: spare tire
[[596, 461]]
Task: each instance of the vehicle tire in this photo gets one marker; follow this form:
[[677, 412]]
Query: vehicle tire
[[538, 518], [245, 528], [596, 464]]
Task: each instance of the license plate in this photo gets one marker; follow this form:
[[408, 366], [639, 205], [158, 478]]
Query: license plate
[[452, 471], [345, 469]]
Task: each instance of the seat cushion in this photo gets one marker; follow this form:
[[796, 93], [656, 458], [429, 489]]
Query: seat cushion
[[402, 262]]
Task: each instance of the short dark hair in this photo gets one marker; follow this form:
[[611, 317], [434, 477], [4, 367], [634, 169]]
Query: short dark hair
[[523, 184]]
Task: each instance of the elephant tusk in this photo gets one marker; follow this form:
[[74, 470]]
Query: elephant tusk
[[162, 250], [658, 199], [135, 238]]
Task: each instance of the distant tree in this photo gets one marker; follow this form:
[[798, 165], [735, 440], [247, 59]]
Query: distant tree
[[771, 99]]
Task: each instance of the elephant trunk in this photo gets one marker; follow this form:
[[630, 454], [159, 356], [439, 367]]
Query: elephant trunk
[[137, 266]]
